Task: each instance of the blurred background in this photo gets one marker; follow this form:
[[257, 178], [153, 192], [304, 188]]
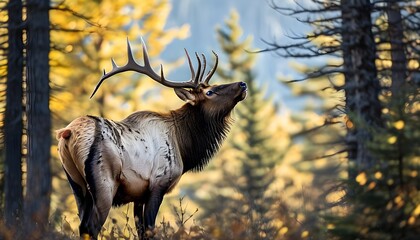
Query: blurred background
[[326, 145]]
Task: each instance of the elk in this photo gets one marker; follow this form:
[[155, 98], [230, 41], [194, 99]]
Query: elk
[[141, 158]]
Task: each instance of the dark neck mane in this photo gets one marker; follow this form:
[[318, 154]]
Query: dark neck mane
[[199, 136]]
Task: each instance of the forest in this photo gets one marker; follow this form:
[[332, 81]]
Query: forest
[[343, 165]]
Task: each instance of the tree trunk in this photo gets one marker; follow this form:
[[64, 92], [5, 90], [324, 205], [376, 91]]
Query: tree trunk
[[37, 200], [361, 84], [398, 72], [13, 123], [398, 57]]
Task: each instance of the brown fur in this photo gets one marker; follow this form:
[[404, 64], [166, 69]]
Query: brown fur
[[101, 157]]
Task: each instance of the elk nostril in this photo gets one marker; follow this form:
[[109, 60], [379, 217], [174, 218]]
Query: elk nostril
[[242, 85]]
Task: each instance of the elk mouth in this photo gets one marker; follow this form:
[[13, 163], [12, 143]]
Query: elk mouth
[[242, 96], [243, 91]]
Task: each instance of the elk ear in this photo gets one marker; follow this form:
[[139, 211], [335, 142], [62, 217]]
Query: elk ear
[[185, 95]]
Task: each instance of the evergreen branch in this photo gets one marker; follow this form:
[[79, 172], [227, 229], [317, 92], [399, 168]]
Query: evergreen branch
[[326, 123], [328, 155], [317, 74], [327, 20], [303, 10]]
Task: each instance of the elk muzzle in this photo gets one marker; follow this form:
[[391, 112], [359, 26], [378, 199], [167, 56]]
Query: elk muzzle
[[243, 91]]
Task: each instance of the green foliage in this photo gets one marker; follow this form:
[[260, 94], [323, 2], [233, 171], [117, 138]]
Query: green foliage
[[244, 203], [316, 130], [385, 200], [248, 198]]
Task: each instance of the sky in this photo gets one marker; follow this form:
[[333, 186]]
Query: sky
[[257, 18]]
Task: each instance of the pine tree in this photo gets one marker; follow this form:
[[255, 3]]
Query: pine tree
[[315, 171], [38, 185], [385, 203], [13, 119], [33, 89], [244, 202], [362, 85], [379, 62]]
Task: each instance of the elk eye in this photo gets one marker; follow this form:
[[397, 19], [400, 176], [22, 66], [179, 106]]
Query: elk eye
[[209, 93]]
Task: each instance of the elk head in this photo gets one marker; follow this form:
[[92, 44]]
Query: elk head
[[214, 100]]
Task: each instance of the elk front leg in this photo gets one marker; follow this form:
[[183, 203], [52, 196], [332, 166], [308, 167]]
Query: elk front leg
[[151, 209]]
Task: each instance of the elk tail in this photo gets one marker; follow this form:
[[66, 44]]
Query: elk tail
[[63, 133]]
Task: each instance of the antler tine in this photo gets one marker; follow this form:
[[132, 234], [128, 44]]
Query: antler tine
[[116, 69], [211, 72], [197, 77], [204, 68], [132, 65], [146, 57], [114, 65], [190, 64]]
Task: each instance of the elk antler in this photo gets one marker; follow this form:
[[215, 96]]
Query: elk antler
[[132, 65]]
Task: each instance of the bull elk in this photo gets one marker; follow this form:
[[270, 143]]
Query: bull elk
[[141, 158]]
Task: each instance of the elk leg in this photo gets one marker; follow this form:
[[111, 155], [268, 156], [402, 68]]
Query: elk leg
[[152, 207], [96, 211], [78, 194], [85, 216], [84, 205], [99, 198], [139, 218]]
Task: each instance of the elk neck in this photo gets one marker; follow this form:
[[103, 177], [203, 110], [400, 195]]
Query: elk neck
[[199, 135]]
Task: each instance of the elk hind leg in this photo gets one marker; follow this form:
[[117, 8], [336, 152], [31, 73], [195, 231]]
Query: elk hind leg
[[86, 226], [78, 194], [99, 198], [97, 207]]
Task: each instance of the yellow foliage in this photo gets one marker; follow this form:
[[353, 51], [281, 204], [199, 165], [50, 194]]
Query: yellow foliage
[[85, 236], [335, 196], [371, 185], [283, 230], [416, 211], [411, 220], [330, 226], [413, 64], [361, 178], [399, 201], [326, 41], [399, 124], [392, 139], [84, 46], [378, 175], [90, 42]]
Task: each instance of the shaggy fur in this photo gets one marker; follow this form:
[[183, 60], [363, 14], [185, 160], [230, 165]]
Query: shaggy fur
[[142, 157]]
